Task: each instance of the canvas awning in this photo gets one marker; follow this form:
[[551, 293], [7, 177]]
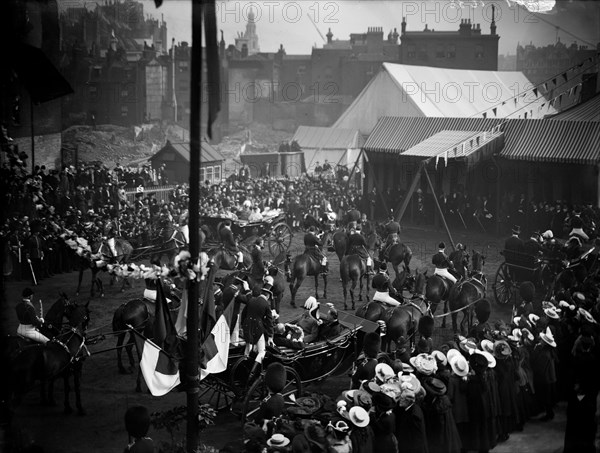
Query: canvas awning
[[453, 145]]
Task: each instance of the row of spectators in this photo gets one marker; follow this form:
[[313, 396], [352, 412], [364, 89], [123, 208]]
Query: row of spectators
[[469, 394]]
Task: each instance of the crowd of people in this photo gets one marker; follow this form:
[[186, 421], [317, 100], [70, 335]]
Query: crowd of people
[[468, 394]]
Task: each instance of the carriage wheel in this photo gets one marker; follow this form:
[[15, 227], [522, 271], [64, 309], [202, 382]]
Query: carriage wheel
[[504, 288], [238, 376], [258, 392], [280, 239], [217, 393]]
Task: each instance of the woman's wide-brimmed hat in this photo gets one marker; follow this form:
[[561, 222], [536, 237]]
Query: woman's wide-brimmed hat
[[359, 417], [487, 345], [489, 357], [424, 364], [584, 314], [502, 349], [468, 345], [548, 338], [383, 372], [552, 312], [459, 365], [452, 353], [435, 386], [278, 440]]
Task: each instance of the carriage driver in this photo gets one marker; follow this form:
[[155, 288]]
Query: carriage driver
[[313, 246], [29, 322], [442, 263], [230, 243], [357, 245]]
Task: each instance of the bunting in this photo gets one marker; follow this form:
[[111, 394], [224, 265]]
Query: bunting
[[535, 92], [495, 110], [545, 86], [565, 76]]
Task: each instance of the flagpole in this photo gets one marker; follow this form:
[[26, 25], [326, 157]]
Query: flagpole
[[192, 377]]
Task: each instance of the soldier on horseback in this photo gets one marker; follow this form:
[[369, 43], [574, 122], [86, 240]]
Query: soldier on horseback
[[110, 234], [381, 284], [313, 247], [392, 231], [230, 244], [357, 245], [29, 322], [442, 264]]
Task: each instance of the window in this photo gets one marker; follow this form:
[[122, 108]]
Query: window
[[93, 92], [183, 66], [124, 110], [412, 51], [209, 175], [202, 175], [217, 173], [451, 51], [96, 71], [478, 51], [124, 92], [439, 51], [301, 70]]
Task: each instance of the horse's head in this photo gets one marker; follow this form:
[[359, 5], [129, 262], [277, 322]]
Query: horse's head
[[420, 282], [478, 261], [79, 317], [373, 241]]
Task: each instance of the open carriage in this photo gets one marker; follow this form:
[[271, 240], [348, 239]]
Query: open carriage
[[315, 362], [274, 229]]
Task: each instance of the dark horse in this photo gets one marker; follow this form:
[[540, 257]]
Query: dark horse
[[302, 266], [353, 268], [129, 317], [171, 239], [402, 321], [340, 243], [98, 260], [398, 254], [465, 293], [224, 259], [256, 283], [61, 356]]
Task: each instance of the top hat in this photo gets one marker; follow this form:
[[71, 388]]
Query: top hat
[[441, 245], [516, 229]]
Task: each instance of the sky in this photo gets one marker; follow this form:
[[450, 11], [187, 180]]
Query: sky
[[296, 24]]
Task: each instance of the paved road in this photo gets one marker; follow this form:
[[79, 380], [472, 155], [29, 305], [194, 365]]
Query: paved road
[[106, 394]]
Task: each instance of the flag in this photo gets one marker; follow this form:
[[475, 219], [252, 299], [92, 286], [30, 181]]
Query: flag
[[181, 322], [207, 316], [160, 356], [214, 352], [212, 63]]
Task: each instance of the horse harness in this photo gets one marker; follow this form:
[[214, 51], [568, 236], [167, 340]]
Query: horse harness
[[74, 357]]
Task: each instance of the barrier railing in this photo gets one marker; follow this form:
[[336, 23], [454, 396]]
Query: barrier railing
[[161, 192]]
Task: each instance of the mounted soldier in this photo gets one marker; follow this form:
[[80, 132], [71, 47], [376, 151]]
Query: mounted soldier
[[357, 245], [313, 246], [392, 231], [110, 234], [442, 264], [29, 322], [381, 284], [230, 244], [258, 263]]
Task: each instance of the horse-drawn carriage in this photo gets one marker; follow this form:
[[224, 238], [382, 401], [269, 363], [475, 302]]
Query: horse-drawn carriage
[[274, 229], [519, 267], [314, 363]]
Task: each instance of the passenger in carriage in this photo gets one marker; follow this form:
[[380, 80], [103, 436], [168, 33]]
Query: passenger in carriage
[[310, 320], [331, 326], [532, 245], [514, 243], [289, 336]]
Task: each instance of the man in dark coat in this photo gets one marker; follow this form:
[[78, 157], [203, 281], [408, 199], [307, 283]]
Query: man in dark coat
[[532, 246], [364, 367], [257, 324], [258, 263], [442, 263], [357, 245], [313, 247], [35, 251], [230, 243], [514, 243]]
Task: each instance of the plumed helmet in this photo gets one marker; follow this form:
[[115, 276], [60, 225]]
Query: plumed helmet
[[311, 303], [527, 291], [275, 376]]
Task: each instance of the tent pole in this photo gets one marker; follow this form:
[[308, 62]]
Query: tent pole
[[411, 190], [192, 378], [437, 203], [375, 181], [354, 168]]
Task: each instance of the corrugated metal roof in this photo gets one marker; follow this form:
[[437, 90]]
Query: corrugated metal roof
[[398, 134], [327, 138], [209, 154], [572, 142], [587, 111], [450, 141]]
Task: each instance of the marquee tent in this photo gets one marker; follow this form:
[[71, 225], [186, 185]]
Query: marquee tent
[[422, 91]]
